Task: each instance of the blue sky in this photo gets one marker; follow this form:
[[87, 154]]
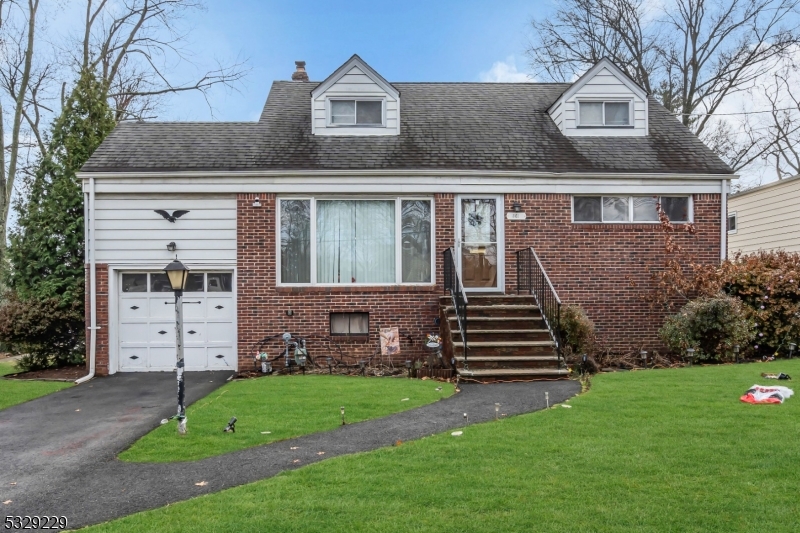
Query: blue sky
[[410, 40]]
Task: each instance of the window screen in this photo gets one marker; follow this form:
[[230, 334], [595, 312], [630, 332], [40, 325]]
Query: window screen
[[588, 209]]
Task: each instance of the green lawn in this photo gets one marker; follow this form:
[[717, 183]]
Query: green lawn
[[14, 391], [286, 407], [655, 450]]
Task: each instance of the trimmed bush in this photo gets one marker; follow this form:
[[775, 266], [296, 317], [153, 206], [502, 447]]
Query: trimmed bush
[[577, 331], [712, 325]]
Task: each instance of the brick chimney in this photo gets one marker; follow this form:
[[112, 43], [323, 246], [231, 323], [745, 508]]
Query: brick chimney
[[300, 74]]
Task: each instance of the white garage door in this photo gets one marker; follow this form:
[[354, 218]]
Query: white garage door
[[147, 322]]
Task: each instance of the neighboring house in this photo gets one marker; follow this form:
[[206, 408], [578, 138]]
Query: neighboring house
[[765, 218], [330, 216]]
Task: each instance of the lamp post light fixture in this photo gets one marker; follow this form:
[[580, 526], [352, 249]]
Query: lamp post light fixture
[[177, 274], [792, 346], [341, 410], [171, 247], [736, 349], [643, 353], [690, 355]]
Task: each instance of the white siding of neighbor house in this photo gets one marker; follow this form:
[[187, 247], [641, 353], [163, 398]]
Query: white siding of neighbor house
[[601, 83], [354, 84], [128, 231], [766, 219]]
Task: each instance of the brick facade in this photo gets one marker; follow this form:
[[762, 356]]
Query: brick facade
[[262, 306], [101, 352], [590, 264]]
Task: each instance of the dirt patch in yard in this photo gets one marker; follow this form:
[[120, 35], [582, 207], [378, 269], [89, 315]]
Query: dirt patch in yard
[[64, 373]]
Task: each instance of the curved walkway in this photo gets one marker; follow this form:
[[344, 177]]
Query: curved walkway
[[99, 487]]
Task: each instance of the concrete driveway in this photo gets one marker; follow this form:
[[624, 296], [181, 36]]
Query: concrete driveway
[[46, 441]]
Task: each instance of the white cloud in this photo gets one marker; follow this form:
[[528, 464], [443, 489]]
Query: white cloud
[[504, 72]]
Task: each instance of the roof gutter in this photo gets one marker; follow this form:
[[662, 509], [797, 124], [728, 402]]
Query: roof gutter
[[335, 174], [89, 228]]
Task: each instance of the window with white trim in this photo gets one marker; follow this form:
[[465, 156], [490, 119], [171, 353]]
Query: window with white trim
[[352, 112], [604, 114], [621, 209], [732, 222], [341, 241]]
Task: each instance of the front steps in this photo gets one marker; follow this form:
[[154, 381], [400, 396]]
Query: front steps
[[506, 340]]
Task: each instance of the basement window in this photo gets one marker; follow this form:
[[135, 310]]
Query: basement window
[[349, 324], [356, 112]]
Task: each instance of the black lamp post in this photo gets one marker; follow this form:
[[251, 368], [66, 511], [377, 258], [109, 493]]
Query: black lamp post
[[177, 274]]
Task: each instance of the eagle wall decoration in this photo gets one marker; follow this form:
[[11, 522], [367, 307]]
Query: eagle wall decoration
[[173, 217]]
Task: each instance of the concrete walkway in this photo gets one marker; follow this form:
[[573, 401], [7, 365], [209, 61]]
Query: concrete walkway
[[69, 469]]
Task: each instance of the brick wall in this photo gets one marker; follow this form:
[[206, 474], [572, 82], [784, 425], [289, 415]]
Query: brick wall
[[101, 352], [262, 306], [589, 264]]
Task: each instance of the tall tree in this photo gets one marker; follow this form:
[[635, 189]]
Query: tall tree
[[692, 55], [46, 252]]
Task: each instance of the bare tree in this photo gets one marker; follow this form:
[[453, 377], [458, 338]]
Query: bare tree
[[17, 49], [692, 55], [134, 45]]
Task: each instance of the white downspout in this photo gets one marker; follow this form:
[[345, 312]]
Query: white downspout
[[89, 231], [723, 243]]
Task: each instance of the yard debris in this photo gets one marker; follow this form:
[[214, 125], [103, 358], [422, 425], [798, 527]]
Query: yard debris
[[6, 502], [294, 447], [566, 406], [320, 453], [457, 433], [296, 461], [404, 400], [202, 483], [164, 421], [438, 388], [762, 394], [13, 483], [77, 410], [266, 432], [398, 442], [775, 376]]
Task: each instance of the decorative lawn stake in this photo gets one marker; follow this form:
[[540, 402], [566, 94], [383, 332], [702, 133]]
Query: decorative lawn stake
[[496, 411], [341, 409], [736, 352], [177, 274], [690, 355], [643, 353], [792, 346], [466, 419]]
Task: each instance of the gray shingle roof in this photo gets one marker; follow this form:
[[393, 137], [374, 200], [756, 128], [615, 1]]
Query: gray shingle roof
[[458, 126]]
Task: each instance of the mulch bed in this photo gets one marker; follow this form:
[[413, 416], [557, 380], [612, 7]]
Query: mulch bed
[[65, 372]]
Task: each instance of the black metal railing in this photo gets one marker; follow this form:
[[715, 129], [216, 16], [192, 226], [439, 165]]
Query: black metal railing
[[532, 277], [452, 283]]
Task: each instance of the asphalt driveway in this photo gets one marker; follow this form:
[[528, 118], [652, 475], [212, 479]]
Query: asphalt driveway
[[63, 460]]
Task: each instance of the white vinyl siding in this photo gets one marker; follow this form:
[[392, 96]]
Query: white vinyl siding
[[603, 86], [129, 231], [355, 85], [766, 219]]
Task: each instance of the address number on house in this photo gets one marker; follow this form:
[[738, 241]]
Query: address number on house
[[515, 216]]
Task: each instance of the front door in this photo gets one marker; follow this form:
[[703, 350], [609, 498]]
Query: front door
[[480, 242]]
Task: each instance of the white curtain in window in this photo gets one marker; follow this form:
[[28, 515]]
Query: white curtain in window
[[355, 241]]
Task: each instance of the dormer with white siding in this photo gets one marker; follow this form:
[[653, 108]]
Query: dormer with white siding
[[355, 100], [604, 102]]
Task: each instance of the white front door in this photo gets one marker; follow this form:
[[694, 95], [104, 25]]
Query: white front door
[[147, 322], [479, 238]]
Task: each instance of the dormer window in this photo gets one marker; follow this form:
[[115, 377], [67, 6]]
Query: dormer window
[[356, 112], [604, 114]]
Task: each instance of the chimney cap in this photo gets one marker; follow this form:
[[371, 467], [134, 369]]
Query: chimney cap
[[300, 73]]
